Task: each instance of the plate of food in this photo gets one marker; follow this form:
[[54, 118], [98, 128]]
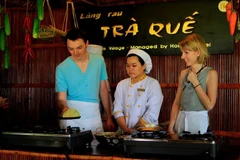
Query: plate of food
[[70, 113]]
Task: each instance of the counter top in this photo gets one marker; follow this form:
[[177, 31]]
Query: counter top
[[100, 151]]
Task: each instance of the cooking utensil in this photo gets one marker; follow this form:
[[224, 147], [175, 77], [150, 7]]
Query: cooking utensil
[[115, 141], [101, 136]]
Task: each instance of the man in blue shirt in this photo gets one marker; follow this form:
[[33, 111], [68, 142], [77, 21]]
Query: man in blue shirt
[[79, 80]]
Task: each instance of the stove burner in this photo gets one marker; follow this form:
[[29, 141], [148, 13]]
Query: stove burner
[[72, 129], [44, 129], [206, 136], [158, 142], [40, 136], [149, 134]]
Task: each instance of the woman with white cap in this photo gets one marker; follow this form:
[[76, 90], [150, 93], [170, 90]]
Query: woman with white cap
[[137, 99]]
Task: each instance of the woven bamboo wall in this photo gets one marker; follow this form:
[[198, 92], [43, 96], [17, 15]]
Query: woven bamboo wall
[[30, 87]]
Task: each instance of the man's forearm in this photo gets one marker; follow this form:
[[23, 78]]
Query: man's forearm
[[106, 103]]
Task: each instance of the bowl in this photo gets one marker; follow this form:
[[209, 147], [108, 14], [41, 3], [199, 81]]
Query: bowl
[[101, 137], [115, 140]]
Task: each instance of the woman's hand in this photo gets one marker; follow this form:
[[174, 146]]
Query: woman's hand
[[174, 136], [170, 131], [192, 77]]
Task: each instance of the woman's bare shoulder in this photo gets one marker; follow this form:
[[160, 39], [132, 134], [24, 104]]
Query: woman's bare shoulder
[[183, 72], [212, 71], [212, 75]]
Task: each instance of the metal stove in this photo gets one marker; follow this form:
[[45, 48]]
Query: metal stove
[[39, 136], [159, 142]]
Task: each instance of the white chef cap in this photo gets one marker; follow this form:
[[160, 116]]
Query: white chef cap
[[146, 58]]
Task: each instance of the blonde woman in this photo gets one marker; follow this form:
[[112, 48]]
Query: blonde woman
[[197, 89]]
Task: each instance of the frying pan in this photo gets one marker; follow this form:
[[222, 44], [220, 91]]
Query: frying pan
[[155, 128], [69, 117]]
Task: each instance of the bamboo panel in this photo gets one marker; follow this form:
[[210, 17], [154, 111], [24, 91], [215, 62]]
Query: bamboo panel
[[169, 95], [119, 71], [125, 2], [109, 66]]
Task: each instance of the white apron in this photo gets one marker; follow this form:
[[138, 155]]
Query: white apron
[[90, 116], [192, 121]]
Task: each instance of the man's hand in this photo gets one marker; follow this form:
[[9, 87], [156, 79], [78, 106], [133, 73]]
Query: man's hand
[[64, 110], [109, 125]]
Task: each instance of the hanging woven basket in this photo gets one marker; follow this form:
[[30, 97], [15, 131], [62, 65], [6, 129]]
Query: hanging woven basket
[[46, 32]]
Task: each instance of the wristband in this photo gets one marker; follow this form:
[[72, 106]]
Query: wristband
[[197, 85]]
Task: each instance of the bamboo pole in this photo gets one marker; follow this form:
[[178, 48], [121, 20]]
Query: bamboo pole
[[227, 134], [40, 46]]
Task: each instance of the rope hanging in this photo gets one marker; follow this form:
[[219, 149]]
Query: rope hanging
[[27, 7], [65, 20]]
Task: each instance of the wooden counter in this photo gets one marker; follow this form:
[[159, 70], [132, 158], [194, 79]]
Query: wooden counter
[[26, 155]]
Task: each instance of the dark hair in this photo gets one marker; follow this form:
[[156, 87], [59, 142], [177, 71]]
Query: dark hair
[[76, 33], [139, 58]]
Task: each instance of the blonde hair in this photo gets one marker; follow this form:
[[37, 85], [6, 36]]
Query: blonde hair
[[195, 42]]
